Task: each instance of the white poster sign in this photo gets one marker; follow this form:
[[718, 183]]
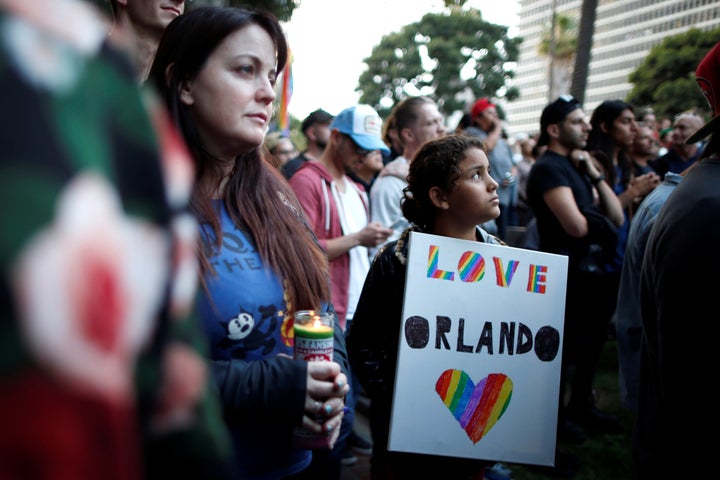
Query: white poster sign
[[480, 350]]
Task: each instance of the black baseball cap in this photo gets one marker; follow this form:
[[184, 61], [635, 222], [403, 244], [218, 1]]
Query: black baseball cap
[[556, 112], [318, 116]]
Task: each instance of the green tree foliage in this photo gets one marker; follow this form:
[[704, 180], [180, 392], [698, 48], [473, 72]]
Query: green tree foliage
[[666, 78], [282, 9], [427, 57]]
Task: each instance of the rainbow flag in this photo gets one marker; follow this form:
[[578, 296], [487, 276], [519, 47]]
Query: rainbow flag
[[285, 94]]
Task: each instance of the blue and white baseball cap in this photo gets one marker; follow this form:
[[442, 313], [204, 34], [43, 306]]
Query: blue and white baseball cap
[[363, 124]]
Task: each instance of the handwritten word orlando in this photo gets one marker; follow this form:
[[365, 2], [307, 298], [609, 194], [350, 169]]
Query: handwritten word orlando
[[513, 338]]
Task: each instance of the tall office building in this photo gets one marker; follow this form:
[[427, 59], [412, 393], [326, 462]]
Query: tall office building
[[625, 31]]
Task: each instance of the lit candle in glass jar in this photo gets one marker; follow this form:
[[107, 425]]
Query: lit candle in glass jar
[[313, 342], [313, 335]]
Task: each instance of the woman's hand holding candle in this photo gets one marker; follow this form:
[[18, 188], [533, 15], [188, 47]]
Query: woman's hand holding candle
[[325, 393], [326, 385]]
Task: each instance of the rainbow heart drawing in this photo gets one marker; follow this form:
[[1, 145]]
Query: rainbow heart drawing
[[476, 407]]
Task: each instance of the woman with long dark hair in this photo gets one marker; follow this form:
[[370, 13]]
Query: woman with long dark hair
[[216, 69], [612, 134]]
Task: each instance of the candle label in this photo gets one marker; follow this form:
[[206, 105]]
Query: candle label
[[313, 349]]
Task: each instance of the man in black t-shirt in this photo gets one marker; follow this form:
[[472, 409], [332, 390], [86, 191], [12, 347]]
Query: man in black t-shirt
[[564, 187]]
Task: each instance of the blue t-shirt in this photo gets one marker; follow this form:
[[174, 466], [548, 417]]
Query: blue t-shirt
[[244, 318]]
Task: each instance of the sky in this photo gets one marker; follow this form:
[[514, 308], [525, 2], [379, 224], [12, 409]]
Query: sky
[[330, 39]]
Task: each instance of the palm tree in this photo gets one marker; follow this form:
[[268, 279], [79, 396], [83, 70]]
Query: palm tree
[[559, 43], [584, 49]]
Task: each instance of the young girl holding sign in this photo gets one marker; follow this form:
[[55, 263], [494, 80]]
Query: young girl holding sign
[[450, 192]]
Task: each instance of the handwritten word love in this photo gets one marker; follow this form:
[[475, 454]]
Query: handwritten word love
[[471, 268]]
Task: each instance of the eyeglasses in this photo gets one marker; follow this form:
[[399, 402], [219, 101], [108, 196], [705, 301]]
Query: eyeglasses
[[363, 152]]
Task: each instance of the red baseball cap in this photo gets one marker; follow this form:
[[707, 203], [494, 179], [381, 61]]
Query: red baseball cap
[[707, 77], [480, 106]]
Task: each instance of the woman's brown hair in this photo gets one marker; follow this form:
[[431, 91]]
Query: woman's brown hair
[[257, 197]]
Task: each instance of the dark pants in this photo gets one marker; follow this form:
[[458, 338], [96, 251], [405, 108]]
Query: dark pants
[[590, 304], [348, 421]]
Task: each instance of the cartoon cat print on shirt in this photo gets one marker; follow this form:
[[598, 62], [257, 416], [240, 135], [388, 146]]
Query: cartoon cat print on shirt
[[240, 326], [245, 334]]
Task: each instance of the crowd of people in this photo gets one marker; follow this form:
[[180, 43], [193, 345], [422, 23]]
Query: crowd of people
[[159, 241]]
